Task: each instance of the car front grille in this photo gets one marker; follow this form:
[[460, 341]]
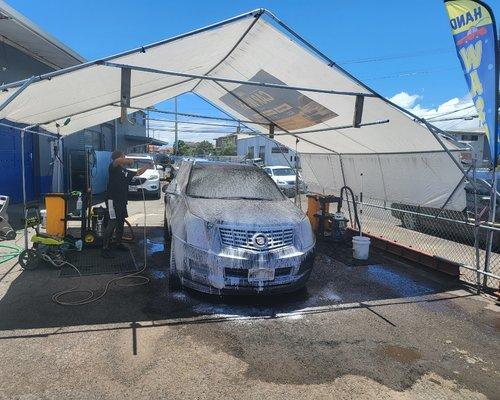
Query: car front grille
[[242, 273], [243, 238], [137, 181]]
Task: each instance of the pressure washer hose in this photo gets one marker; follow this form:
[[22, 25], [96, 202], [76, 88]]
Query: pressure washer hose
[[355, 207], [56, 297]]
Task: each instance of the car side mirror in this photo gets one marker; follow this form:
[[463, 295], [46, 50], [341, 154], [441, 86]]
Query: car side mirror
[[171, 188]]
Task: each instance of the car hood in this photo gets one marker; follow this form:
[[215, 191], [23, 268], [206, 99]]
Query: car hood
[[146, 174], [245, 212], [285, 177]]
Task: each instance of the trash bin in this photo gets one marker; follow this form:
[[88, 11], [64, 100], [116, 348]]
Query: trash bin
[[313, 209]]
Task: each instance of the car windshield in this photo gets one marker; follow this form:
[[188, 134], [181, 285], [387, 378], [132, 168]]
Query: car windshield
[[283, 171], [139, 163], [231, 182]]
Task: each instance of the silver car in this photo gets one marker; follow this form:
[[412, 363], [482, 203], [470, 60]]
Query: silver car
[[232, 231]]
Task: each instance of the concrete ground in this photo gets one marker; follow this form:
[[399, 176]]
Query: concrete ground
[[386, 330]]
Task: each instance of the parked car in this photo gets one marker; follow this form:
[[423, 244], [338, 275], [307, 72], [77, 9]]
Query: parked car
[[285, 178], [231, 230], [149, 181], [445, 226]]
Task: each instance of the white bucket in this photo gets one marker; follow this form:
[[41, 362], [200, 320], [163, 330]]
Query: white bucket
[[361, 247], [43, 214]]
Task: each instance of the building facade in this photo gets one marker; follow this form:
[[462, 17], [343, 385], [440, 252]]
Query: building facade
[[256, 146], [26, 50]]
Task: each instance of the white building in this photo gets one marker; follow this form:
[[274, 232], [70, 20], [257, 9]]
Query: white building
[[255, 146]]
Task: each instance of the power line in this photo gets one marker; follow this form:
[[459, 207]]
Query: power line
[[449, 113], [406, 74], [396, 56]]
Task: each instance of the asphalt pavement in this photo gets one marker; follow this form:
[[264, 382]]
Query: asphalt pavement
[[384, 329]]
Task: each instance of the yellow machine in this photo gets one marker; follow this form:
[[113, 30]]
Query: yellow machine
[[55, 204]]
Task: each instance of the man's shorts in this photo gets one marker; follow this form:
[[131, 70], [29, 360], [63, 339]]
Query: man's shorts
[[116, 209]]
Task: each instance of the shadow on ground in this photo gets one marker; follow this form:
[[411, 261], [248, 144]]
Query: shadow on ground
[[280, 338]]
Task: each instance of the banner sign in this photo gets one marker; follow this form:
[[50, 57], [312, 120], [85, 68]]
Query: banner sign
[[288, 109], [473, 27]]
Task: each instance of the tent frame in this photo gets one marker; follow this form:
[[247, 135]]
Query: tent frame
[[23, 84]]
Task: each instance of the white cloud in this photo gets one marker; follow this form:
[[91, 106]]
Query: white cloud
[[405, 100], [453, 108]]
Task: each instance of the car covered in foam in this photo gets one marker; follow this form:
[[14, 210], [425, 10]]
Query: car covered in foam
[[231, 230]]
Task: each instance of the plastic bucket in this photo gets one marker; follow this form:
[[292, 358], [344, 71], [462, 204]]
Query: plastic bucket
[[360, 247], [43, 214]]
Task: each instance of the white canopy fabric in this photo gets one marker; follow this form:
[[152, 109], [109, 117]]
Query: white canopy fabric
[[400, 160]]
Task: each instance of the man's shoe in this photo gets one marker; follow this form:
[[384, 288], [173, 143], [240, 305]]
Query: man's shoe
[[106, 253], [121, 247]]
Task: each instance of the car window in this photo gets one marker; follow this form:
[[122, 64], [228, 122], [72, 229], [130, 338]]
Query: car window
[[215, 181], [139, 163], [283, 171], [268, 170]]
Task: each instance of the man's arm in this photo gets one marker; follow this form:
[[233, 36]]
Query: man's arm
[[122, 162], [141, 170]]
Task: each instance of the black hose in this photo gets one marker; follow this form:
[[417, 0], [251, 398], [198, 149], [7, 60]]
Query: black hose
[[339, 206]]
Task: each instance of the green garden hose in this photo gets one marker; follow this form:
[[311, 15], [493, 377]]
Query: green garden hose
[[10, 252]]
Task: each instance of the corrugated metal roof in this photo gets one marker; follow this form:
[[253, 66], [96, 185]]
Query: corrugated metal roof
[[19, 32]]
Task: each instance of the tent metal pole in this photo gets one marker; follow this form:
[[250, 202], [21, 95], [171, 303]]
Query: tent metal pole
[[17, 92], [489, 234], [251, 129], [332, 64], [235, 81], [152, 109], [336, 128], [452, 193], [176, 139], [23, 131], [435, 132], [141, 49]]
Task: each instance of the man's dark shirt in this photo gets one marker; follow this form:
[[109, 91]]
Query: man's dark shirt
[[118, 181]]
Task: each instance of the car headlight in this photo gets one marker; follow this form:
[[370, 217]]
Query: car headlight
[[154, 177], [196, 232], [303, 234]]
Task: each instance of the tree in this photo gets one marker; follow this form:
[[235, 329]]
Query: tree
[[204, 147], [182, 148], [228, 149]]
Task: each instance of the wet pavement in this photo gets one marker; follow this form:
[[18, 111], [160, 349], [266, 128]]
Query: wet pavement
[[384, 329]]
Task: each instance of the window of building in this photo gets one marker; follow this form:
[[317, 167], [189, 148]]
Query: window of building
[[262, 153], [470, 138], [250, 152]]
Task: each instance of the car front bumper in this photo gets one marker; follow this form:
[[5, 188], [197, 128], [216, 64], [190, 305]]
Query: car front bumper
[[227, 272], [148, 186]]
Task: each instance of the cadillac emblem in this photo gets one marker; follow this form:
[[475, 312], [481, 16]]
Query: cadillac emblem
[[260, 240]]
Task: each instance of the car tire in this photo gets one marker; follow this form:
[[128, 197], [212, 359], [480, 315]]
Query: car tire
[[409, 221], [158, 195], [174, 282]]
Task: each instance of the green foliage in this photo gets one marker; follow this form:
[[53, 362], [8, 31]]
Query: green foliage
[[204, 148]]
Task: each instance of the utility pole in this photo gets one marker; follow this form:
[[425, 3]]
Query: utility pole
[[176, 145]]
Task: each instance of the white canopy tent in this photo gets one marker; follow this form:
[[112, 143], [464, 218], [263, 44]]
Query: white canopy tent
[[255, 68]]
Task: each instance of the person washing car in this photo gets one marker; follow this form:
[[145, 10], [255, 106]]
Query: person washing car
[[116, 199]]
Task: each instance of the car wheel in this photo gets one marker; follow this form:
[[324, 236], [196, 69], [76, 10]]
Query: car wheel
[[158, 194], [409, 221], [174, 282]]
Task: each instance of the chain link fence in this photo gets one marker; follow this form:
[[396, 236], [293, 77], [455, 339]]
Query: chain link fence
[[450, 235]]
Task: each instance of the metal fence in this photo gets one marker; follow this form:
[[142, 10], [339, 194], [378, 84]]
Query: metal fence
[[448, 235]]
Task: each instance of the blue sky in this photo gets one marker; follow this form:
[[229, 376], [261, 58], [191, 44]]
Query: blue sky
[[393, 46]]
